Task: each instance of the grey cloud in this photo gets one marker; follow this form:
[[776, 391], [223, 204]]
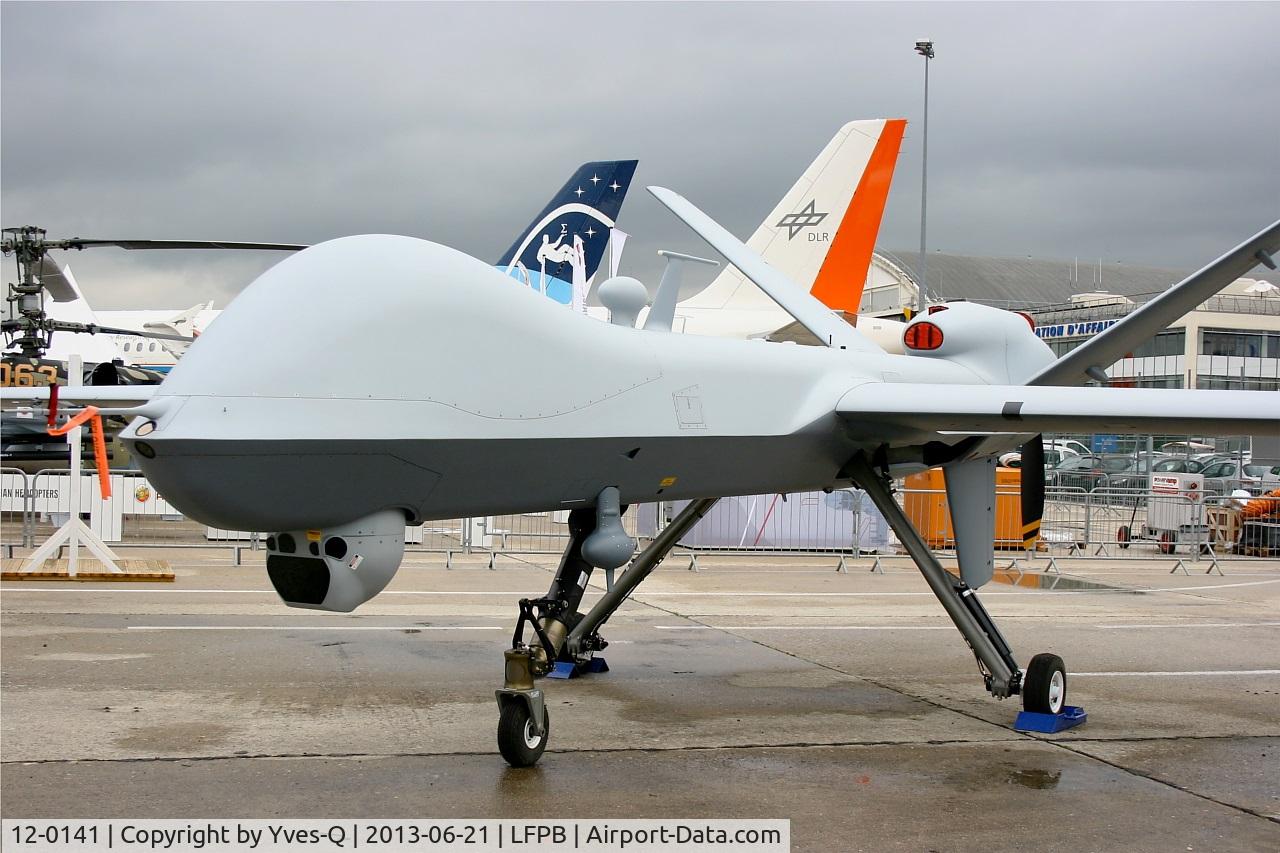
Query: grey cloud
[[1134, 132]]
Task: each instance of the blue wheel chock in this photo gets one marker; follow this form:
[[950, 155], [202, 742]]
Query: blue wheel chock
[[1029, 721], [566, 669]]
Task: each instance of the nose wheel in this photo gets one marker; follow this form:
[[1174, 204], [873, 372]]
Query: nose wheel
[[519, 740], [1044, 688]]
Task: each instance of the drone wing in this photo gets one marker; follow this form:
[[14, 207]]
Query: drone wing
[[909, 408]]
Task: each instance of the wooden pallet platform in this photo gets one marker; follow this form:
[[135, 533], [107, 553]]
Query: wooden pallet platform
[[90, 570]]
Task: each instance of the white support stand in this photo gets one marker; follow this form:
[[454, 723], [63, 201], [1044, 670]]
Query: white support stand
[[74, 532], [877, 567]]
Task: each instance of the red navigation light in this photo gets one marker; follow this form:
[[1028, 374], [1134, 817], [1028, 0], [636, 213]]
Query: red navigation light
[[922, 336], [934, 309]]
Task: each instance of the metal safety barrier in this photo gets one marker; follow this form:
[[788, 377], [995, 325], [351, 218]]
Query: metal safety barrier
[[1103, 522], [15, 517]]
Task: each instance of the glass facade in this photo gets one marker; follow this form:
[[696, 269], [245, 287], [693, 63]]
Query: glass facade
[[1230, 359], [1241, 344]]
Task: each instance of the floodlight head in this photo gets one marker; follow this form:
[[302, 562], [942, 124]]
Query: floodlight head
[[924, 47]]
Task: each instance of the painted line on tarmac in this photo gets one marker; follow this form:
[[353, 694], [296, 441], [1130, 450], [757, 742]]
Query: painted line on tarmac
[[83, 588], [660, 594], [804, 627], [1175, 673], [316, 628], [1195, 625]]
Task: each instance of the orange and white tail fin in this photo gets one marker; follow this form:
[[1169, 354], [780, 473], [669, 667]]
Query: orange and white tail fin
[[820, 235]]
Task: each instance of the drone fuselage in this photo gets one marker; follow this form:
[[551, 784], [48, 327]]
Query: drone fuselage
[[497, 402]]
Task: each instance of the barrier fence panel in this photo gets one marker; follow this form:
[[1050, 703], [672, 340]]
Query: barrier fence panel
[[149, 518], [15, 508], [537, 532], [1065, 522], [1102, 522], [843, 521], [449, 535]]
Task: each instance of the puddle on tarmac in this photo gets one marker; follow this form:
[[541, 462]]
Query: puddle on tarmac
[[1008, 773], [1037, 779], [1052, 581]]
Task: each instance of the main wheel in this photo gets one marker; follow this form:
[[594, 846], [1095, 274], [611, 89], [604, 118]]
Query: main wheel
[[1044, 689], [1123, 536], [516, 739]]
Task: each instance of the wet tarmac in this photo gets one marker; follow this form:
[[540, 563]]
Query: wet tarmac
[[756, 687]]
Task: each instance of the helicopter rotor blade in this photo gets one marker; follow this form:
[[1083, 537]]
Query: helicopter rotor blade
[[79, 243], [95, 329]]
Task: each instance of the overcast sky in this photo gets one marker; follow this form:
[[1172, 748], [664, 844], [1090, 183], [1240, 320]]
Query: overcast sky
[[1144, 133]]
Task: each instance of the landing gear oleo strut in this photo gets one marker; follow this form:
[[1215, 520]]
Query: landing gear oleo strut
[[1044, 686], [562, 633]]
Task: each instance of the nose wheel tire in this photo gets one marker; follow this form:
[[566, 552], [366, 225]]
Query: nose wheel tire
[[517, 742], [1044, 689]]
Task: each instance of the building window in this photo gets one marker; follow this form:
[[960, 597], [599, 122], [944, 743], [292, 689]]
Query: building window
[[1238, 344], [1173, 342], [1146, 382], [1238, 383]]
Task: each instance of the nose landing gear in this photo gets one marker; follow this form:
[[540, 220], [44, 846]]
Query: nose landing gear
[[520, 741], [563, 634]]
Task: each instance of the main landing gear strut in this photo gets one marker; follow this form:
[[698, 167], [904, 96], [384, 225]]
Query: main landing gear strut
[[560, 632], [1044, 685]]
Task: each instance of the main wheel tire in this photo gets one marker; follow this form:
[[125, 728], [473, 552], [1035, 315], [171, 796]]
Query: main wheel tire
[[516, 740], [1123, 536], [1044, 689]]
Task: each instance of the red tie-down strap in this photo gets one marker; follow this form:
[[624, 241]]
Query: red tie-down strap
[[53, 403], [99, 443]]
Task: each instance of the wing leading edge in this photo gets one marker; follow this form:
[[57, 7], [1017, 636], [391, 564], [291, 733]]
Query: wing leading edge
[[1017, 409], [1094, 356]]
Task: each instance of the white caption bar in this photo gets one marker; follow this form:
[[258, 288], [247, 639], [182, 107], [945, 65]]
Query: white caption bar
[[322, 836]]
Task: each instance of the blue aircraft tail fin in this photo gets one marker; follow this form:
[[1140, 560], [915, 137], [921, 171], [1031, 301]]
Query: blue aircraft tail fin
[[560, 251]]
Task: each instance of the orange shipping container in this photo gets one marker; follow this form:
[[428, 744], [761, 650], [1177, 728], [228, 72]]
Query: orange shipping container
[[925, 503]]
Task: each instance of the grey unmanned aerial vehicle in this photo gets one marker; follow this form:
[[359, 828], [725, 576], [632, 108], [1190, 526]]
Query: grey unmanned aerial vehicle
[[645, 415]]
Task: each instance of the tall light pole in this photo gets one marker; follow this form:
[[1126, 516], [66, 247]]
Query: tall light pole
[[924, 47]]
